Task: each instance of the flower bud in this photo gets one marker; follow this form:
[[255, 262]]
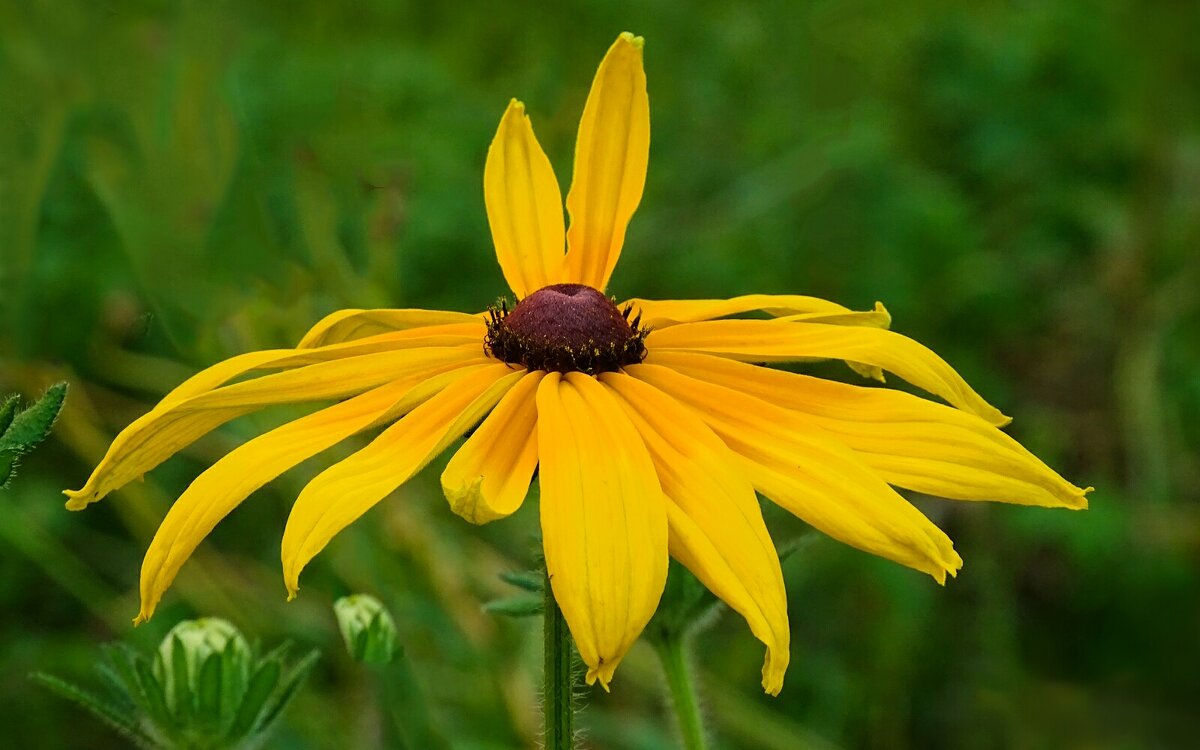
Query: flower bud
[[367, 628], [189, 646]]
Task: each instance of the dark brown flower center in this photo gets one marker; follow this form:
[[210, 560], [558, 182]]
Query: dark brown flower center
[[566, 328]]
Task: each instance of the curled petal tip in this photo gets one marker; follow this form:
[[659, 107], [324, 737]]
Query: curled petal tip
[[76, 499], [774, 668], [630, 38], [772, 685], [603, 674], [879, 308], [1081, 502]]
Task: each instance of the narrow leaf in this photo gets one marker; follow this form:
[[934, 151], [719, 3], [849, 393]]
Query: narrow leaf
[[156, 699], [30, 427], [262, 686], [517, 606], [181, 690], [530, 580], [208, 689], [124, 673], [8, 467], [288, 688], [122, 722], [7, 410]]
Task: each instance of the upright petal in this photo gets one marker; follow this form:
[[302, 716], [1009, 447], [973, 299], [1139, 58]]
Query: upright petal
[[813, 475], [347, 325], [336, 497], [781, 341], [178, 421], [604, 521], [524, 205], [611, 155], [225, 484], [489, 476], [715, 525], [910, 442]]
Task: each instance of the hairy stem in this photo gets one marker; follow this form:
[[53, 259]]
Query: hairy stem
[[558, 688], [678, 673]]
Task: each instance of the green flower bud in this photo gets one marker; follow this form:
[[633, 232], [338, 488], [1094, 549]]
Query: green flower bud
[[367, 628], [198, 657]]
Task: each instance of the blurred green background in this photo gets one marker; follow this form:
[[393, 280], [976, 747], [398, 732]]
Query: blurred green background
[[1018, 181]]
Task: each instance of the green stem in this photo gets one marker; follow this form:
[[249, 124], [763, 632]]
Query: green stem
[[558, 688], [677, 670]]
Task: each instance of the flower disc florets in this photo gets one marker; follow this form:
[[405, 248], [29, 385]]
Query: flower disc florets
[[566, 328]]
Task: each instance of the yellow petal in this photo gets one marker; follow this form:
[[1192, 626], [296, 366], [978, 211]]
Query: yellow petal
[[910, 442], [347, 325], [812, 474], [611, 155], [489, 476], [715, 525], [604, 522], [224, 485], [524, 205], [336, 497], [178, 421], [788, 307], [777, 341], [665, 313]]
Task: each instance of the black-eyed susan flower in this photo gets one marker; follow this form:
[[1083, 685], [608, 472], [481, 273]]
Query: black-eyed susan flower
[[652, 424]]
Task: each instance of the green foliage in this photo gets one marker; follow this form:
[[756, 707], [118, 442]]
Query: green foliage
[[21, 431], [521, 605], [204, 689]]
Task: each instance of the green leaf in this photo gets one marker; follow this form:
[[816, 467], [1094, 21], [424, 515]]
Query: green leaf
[[124, 673], [7, 410], [30, 427], [123, 722], [288, 688], [517, 606], [530, 580], [156, 699], [208, 690], [181, 698], [261, 686], [235, 668], [8, 467], [116, 687], [20, 432]]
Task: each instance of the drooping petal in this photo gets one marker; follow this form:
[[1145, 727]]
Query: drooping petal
[[910, 442], [604, 522], [665, 313], [224, 485], [489, 476], [812, 474], [336, 497], [347, 325], [178, 422], [611, 155], [715, 525], [524, 205], [779, 341]]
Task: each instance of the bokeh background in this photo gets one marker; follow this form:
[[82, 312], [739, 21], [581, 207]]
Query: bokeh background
[[1018, 181]]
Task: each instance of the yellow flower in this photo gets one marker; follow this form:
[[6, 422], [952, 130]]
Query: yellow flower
[[651, 422]]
